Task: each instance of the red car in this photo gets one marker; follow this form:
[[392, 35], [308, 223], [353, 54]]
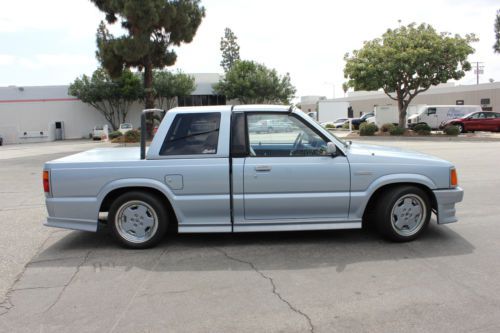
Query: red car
[[476, 121]]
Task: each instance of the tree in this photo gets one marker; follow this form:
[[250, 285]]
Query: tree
[[407, 61], [230, 49], [153, 26], [496, 47], [168, 86], [345, 87], [110, 97], [254, 83]]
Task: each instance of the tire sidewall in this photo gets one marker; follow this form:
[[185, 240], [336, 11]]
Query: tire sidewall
[[151, 200], [384, 210]]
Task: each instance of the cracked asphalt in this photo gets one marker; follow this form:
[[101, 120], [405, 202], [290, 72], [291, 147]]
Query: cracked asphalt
[[337, 281]]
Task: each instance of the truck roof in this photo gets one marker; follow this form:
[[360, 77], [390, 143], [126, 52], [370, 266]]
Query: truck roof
[[227, 108]]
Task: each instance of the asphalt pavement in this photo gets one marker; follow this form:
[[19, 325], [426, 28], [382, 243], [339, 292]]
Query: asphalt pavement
[[337, 281]]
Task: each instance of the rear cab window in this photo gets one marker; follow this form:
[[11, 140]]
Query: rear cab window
[[192, 134]]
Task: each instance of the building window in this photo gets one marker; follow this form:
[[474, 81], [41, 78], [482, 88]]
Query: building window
[[460, 102], [202, 100], [485, 101]]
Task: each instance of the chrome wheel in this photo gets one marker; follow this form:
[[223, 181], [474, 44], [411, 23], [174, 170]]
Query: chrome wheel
[[408, 215], [460, 128], [136, 221]]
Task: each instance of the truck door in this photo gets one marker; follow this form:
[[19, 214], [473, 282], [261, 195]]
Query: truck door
[[432, 118], [289, 175]]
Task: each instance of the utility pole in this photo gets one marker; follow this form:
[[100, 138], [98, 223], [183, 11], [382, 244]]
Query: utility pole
[[479, 70]]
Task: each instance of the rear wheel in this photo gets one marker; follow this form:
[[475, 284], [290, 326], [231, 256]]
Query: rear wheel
[[138, 220], [403, 213]]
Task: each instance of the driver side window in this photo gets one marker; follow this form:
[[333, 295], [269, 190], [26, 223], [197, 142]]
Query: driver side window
[[281, 135]]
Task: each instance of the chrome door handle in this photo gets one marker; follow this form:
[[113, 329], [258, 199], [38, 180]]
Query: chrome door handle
[[263, 168]]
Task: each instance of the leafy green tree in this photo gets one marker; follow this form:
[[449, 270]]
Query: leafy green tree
[[496, 47], [407, 61], [111, 97], [168, 86], [153, 27], [254, 83], [230, 49]]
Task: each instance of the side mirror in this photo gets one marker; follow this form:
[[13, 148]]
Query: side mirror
[[331, 149]]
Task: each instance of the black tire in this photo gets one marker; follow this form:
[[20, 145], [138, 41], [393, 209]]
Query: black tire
[[387, 217], [154, 210], [461, 128]]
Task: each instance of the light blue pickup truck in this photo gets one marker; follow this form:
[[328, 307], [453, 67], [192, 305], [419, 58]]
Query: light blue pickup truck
[[205, 171]]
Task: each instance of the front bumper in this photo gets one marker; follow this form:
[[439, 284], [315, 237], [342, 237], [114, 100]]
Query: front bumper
[[446, 200]]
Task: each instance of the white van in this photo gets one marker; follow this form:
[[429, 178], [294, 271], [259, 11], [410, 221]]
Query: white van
[[389, 114], [434, 115]]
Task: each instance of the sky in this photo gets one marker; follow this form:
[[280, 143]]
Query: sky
[[52, 42]]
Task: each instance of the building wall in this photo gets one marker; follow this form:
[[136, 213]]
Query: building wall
[[16, 118], [28, 114], [471, 95]]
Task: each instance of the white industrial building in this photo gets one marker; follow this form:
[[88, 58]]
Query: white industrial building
[[31, 114], [487, 95]]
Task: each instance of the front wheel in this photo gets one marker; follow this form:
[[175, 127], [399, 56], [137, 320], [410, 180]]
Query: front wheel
[[461, 128], [403, 213], [138, 220]]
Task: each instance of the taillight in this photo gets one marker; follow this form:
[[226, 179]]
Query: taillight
[[453, 178], [46, 182]]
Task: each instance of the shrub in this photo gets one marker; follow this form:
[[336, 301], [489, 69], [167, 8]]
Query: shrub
[[422, 129], [114, 135], [346, 125], [396, 130], [367, 129], [451, 130], [386, 127], [133, 136], [330, 126]]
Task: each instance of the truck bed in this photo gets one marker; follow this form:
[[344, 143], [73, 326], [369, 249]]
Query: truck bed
[[102, 155]]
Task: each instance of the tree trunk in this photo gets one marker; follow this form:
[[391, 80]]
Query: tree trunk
[[148, 86], [402, 106]]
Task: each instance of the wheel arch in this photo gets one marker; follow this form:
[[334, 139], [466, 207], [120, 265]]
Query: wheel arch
[[114, 190], [370, 205]]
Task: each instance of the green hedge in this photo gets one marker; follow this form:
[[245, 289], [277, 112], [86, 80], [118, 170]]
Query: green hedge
[[114, 135], [396, 130], [451, 130], [422, 129], [387, 127], [133, 136], [367, 129]]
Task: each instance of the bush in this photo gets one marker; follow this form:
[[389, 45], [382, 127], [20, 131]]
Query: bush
[[386, 128], [367, 129], [396, 130], [422, 129], [114, 135], [451, 130], [346, 125], [330, 126], [133, 136]]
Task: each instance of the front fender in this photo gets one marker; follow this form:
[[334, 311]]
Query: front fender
[[360, 199]]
